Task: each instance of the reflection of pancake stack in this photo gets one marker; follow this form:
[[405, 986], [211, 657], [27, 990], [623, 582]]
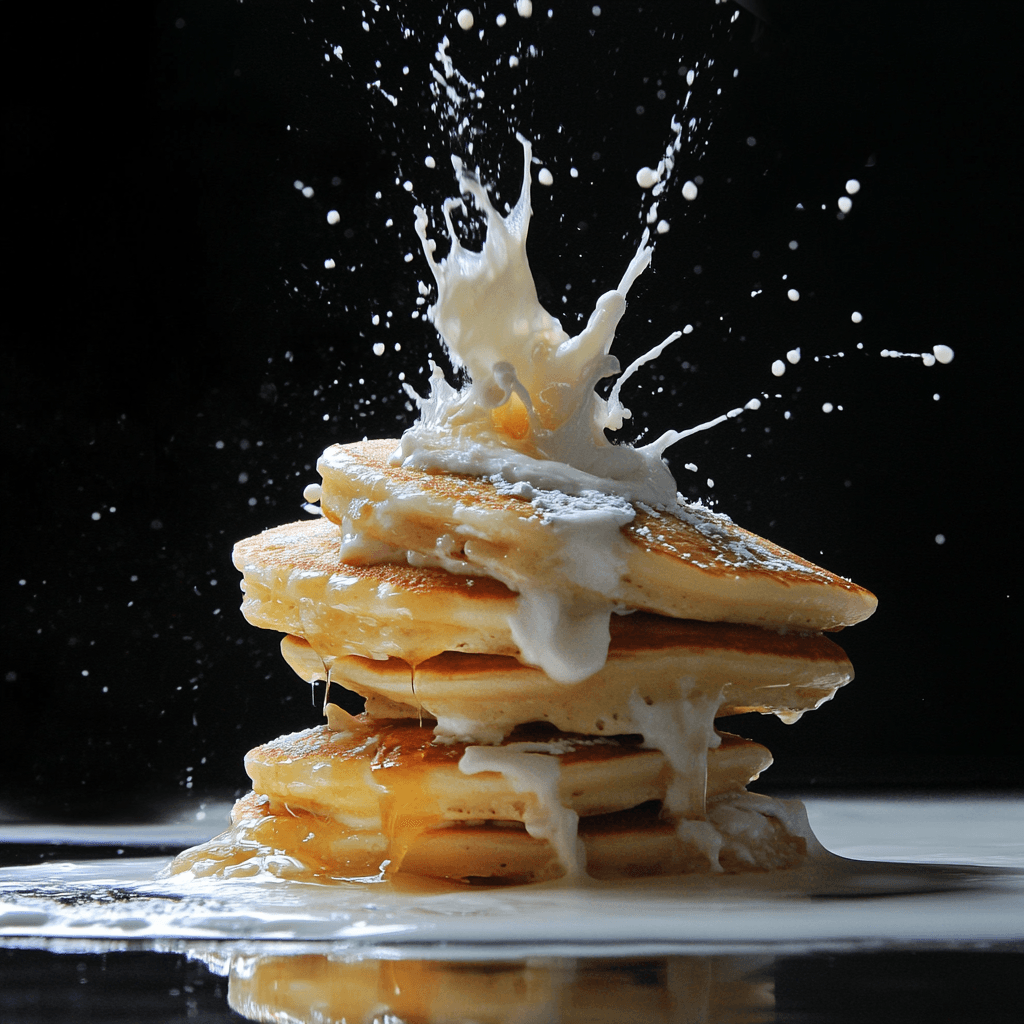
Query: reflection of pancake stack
[[519, 724], [308, 987]]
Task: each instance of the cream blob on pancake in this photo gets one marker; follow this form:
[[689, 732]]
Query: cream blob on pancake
[[683, 561], [652, 661], [294, 581]]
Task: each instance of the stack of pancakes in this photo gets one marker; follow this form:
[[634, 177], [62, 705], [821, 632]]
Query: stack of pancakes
[[542, 676]]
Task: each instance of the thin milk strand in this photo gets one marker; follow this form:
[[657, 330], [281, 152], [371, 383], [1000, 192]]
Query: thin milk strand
[[529, 771]]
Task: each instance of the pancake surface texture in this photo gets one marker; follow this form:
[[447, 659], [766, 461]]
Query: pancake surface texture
[[685, 561]]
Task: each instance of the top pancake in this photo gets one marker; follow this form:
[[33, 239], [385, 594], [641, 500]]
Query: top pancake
[[685, 561]]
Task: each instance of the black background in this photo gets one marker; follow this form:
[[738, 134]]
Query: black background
[[176, 355]]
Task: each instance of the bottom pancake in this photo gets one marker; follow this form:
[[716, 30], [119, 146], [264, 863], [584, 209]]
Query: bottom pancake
[[743, 832]]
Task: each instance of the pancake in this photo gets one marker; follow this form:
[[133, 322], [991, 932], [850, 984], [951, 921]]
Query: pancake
[[294, 581], [652, 662], [356, 777], [382, 798], [685, 561], [744, 832]]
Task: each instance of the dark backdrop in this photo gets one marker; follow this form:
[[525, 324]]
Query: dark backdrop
[[176, 356]]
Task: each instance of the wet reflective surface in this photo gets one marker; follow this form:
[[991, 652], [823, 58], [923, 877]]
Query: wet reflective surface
[[932, 932], [221, 981]]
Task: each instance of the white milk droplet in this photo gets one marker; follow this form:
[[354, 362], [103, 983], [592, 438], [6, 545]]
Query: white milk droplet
[[308, 191], [794, 244], [329, 264], [375, 319], [500, 20], [524, 8], [333, 216], [311, 493], [943, 353], [689, 190], [711, 483], [407, 185], [935, 397], [378, 349], [690, 77], [793, 295], [647, 176], [845, 204], [662, 227], [595, 11], [853, 186], [856, 317], [827, 407], [513, 61], [465, 19], [430, 162], [940, 538], [778, 367], [545, 177]]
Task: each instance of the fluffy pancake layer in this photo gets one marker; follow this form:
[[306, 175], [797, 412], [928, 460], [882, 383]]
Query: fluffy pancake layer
[[356, 778], [685, 562], [652, 660], [294, 581], [752, 834]]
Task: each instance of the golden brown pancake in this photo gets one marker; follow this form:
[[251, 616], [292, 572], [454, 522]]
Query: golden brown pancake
[[294, 581], [631, 844], [685, 562], [652, 659], [355, 778]]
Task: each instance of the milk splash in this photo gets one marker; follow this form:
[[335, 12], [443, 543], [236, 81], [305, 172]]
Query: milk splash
[[530, 400], [529, 411]]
